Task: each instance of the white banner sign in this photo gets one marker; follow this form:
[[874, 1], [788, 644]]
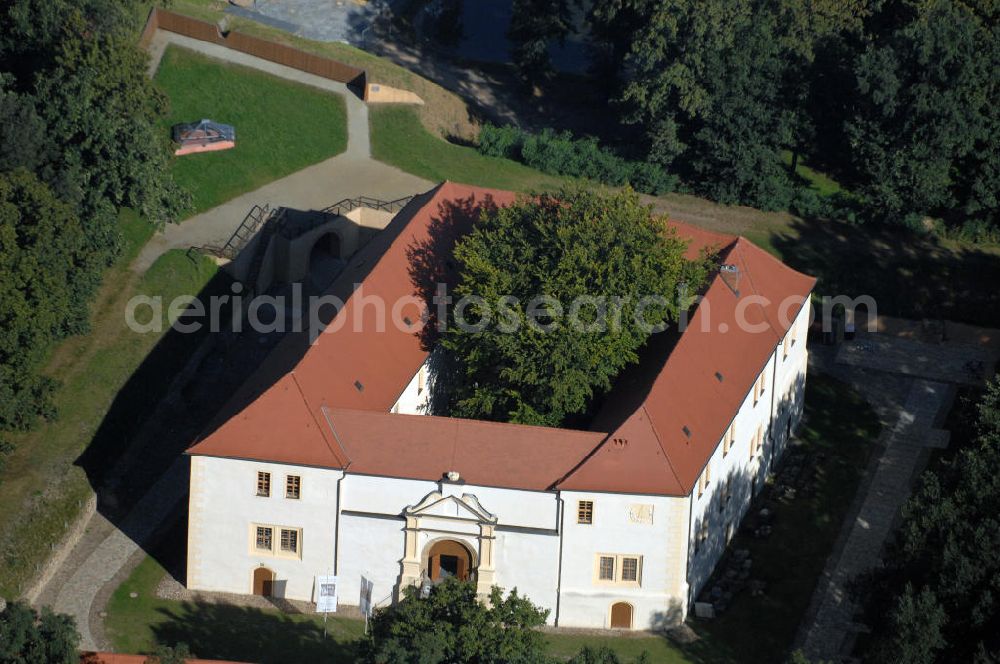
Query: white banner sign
[[326, 597], [365, 603]]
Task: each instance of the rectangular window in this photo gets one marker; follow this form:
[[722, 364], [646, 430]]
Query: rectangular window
[[757, 442], [263, 484], [760, 386], [705, 479], [585, 511], [702, 535], [727, 439], [265, 538], [421, 380], [624, 569], [293, 487], [630, 569], [289, 540], [607, 568]]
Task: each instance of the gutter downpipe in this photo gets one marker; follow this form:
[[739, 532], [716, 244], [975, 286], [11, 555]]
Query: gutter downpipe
[[336, 526], [771, 415], [687, 558], [562, 532]]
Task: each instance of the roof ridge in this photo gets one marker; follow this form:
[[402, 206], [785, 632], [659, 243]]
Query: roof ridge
[[659, 441], [774, 259], [457, 420], [586, 457], [319, 427], [739, 248]]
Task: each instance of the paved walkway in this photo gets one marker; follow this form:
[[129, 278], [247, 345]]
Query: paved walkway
[[909, 383], [352, 173]]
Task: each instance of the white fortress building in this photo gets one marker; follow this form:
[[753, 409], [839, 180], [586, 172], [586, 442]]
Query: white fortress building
[[325, 463]]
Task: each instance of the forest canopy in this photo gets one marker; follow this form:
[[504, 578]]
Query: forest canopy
[[78, 142], [896, 99]]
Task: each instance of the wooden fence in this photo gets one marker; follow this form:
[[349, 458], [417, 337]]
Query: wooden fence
[[261, 48]]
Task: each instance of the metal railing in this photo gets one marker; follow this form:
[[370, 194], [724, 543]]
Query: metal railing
[[251, 223], [348, 204]]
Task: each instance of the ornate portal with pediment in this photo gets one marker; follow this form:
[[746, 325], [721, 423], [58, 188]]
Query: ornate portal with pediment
[[439, 519]]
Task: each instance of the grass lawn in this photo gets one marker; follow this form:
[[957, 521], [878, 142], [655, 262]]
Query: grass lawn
[[399, 139], [281, 126], [44, 485], [821, 182], [222, 631], [137, 625]]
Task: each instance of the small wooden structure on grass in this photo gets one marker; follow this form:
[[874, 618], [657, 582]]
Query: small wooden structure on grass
[[204, 136]]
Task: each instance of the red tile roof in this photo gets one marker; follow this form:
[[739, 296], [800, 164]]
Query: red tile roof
[[326, 404], [513, 456]]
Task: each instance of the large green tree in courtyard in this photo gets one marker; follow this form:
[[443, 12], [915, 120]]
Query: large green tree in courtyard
[[568, 279]]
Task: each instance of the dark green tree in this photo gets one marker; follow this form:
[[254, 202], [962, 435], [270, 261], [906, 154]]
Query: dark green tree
[[42, 246], [452, 625], [99, 104], [29, 638], [563, 277], [79, 140], [178, 654], [23, 140], [924, 132], [604, 655], [703, 80], [915, 635], [534, 25], [936, 599]]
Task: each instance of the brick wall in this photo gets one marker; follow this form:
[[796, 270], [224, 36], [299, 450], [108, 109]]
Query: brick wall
[[261, 48]]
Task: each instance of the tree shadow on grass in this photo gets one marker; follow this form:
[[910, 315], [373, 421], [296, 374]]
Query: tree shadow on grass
[[224, 631], [910, 275], [167, 401]]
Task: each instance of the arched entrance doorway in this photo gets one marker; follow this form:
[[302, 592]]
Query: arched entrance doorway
[[621, 615], [263, 582], [325, 262], [448, 558], [328, 245]]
